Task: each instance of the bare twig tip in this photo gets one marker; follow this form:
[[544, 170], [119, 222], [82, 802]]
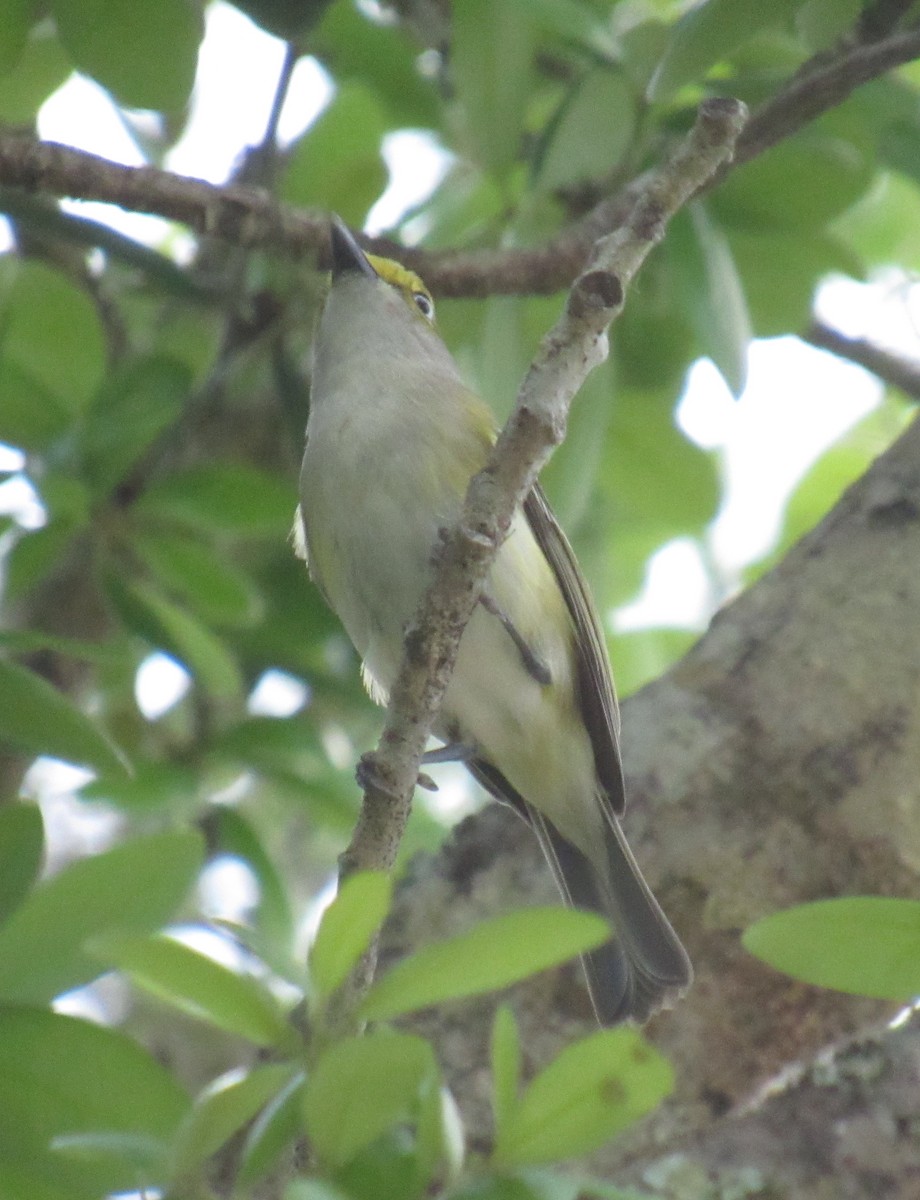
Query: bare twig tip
[[721, 119]]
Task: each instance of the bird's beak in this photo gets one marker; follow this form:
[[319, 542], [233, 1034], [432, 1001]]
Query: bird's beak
[[347, 255]]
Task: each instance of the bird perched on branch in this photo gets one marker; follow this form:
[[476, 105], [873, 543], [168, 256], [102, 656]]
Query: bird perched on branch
[[393, 438]]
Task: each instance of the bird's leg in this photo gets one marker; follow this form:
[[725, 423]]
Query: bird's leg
[[533, 664], [449, 752]]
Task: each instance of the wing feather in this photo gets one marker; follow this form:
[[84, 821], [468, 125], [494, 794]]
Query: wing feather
[[594, 684]]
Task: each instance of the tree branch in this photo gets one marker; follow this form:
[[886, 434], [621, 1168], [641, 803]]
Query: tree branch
[[892, 369], [250, 217], [567, 354], [821, 85]]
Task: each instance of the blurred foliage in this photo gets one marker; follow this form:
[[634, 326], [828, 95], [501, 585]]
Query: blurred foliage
[[159, 407], [866, 945]]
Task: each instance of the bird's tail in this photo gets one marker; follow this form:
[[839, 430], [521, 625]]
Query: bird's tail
[[644, 967]]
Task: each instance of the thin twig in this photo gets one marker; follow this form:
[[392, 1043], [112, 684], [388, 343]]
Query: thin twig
[[893, 369], [815, 90]]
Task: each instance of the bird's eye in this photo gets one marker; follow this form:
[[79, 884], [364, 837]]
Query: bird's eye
[[424, 303]]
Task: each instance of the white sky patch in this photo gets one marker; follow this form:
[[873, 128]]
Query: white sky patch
[[313, 914], [677, 591], [798, 402], [228, 890], [417, 164], [239, 65], [886, 309], [81, 114], [455, 798], [277, 694], [73, 829], [238, 69], [19, 500], [160, 683]]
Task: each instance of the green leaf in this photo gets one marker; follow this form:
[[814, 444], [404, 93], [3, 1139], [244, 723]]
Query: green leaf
[[467, 204], [571, 477], [198, 573], [386, 1169], [154, 787], [225, 1107], [575, 20], [164, 624], [275, 743], [50, 339], [642, 655], [60, 1077], [276, 1126], [134, 406], [338, 161], [31, 416], [592, 133], [781, 272], [656, 485], [653, 341], [140, 1154], [864, 945], [33, 557], [822, 22], [360, 1088], [879, 226], [802, 183], [314, 1189], [347, 927], [38, 719], [233, 834], [595, 1088], [228, 498], [506, 1066], [145, 54], [492, 48], [535, 1185], [198, 986], [708, 33], [14, 29], [41, 68], [26, 641], [21, 844], [383, 56], [134, 888], [289, 20], [711, 292], [492, 955], [439, 1141], [839, 467]]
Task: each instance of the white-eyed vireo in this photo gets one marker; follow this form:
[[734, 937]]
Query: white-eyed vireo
[[393, 438]]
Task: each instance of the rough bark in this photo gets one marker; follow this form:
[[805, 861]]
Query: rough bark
[[778, 762]]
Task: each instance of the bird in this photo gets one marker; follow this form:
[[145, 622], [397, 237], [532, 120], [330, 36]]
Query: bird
[[393, 438]]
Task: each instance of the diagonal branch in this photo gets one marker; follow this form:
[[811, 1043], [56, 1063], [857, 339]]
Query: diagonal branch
[[567, 354], [892, 369], [821, 85], [251, 217]]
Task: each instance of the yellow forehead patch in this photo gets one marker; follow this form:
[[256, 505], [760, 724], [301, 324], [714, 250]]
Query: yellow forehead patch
[[399, 276]]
